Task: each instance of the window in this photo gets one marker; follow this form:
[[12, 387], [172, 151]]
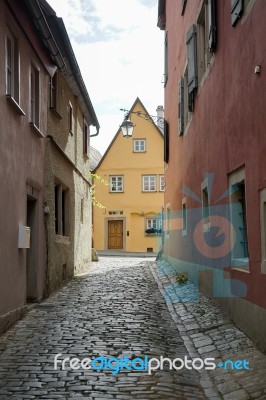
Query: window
[[61, 197], [12, 71], [238, 217], [166, 60], [192, 60], [139, 145], [153, 226], [263, 229], [12, 66], [181, 105], [166, 142], [116, 184], [149, 183], [70, 117], [184, 3], [240, 8], [86, 144], [53, 90], [201, 42], [236, 11], [35, 96], [203, 53], [184, 216], [205, 205], [162, 183]]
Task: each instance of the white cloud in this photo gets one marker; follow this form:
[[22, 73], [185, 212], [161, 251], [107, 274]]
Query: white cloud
[[120, 60]]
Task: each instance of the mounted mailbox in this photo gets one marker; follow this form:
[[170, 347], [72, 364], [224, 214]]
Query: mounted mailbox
[[23, 237]]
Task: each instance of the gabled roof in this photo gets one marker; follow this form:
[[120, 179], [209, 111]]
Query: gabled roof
[[137, 101]]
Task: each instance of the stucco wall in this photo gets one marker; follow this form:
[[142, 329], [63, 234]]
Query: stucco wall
[[71, 253], [22, 171], [226, 131]]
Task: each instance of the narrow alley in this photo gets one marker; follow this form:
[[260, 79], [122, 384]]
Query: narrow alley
[[118, 308]]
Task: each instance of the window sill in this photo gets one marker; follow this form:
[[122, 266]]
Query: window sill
[[15, 104], [55, 113], [117, 192], [240, 264], [62, 239], [36, 129]]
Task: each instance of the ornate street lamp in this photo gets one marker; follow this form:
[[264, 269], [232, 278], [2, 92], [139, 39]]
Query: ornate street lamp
[[127, 125]]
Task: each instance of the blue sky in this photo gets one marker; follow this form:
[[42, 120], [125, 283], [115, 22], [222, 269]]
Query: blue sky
[[120, 54]]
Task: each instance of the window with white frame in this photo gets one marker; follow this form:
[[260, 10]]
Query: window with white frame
[[35, 96], [116, 183], [12, 66], [139, 145], [162, 183], [149, 183], [153, 226]]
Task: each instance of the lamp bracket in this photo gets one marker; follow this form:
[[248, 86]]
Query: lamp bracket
[[147, 117]]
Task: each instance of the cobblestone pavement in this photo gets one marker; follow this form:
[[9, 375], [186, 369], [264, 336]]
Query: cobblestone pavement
[[207, 332], [116, 309]]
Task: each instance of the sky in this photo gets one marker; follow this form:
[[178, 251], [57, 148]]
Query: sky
[[119, 49]]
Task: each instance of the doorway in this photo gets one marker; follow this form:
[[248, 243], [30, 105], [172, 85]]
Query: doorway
[[32, 252], [115, 234]]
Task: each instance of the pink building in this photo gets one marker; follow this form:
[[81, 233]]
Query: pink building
[[25, 68], [215, 195]]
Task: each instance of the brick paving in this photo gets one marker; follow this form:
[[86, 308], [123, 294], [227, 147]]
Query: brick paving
[[126, 306]]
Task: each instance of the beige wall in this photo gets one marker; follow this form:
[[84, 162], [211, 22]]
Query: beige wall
[[71, 253]]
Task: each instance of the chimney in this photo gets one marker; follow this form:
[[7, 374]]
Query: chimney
[[160, 116]]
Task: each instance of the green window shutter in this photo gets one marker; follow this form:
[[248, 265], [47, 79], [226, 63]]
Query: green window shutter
[[212, 25], [236, 10], [181, 105], [166, 141], [192, 59]]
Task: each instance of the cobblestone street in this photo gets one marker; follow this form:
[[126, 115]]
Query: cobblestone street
[[126, 306]]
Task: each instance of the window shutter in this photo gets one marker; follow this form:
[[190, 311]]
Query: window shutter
[[166, 141], [236, 10], [192, 59], [181, 105], [184, 3], [166, 60], [212, 25]]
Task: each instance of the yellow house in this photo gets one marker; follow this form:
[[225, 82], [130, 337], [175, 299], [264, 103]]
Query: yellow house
[[134, 169]]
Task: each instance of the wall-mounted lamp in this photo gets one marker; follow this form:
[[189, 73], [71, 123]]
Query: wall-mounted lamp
[[127, 125]]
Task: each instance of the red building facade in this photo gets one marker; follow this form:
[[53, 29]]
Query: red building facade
[[215, 194]]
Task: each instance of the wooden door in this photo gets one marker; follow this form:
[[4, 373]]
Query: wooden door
[[115, 234]]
